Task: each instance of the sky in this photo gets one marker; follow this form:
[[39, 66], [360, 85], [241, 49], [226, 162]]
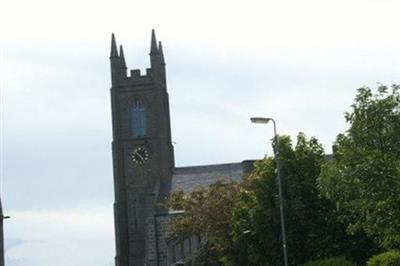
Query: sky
[[299, 62]]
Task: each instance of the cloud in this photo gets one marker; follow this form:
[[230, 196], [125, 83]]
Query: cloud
[[297, 61], [56, 109], [75, 237]]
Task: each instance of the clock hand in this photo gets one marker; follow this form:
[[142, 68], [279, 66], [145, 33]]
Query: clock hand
[[141, 157]]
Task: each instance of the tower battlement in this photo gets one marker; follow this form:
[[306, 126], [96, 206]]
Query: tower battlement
[[156, 73], [136, 78]]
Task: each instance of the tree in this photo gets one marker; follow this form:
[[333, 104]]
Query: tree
[[363, 179], [208, 213], [312, 230]]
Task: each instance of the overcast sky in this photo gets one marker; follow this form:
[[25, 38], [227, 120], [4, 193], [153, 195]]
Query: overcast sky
[[297, 61]]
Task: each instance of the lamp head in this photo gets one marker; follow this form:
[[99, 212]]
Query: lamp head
[[260, 120]]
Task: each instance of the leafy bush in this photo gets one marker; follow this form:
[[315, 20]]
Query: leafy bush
[[390, 258], [340, 261]]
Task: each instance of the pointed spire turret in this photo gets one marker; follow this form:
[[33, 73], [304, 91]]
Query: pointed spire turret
[[153, 48], [161, 53], [118, 67], [114, 52], [122, 56], [156, 58]]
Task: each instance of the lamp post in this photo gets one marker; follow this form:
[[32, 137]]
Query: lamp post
[[265, 120], [2, 217]]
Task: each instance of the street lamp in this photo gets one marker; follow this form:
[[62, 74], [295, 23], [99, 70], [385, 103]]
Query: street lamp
[[2, 217], [265, 120]]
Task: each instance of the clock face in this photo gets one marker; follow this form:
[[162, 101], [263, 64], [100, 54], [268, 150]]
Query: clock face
[[139, 155]]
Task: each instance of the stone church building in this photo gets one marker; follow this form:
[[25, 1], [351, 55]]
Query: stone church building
[[144, 168]]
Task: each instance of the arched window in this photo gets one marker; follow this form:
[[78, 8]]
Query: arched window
[[138, 116]]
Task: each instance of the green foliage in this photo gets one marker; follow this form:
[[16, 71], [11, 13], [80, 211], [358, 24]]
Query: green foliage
[[312, 231], [364, 177], [340, 261], [390, 258], [208, 212]]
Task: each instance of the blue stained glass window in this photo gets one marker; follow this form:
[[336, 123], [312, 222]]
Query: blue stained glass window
[[138, 119]]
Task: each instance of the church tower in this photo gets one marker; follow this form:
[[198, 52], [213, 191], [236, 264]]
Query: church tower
[[143, 157]]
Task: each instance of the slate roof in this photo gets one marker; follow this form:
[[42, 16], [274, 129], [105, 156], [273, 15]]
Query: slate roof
[[188, 178]]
